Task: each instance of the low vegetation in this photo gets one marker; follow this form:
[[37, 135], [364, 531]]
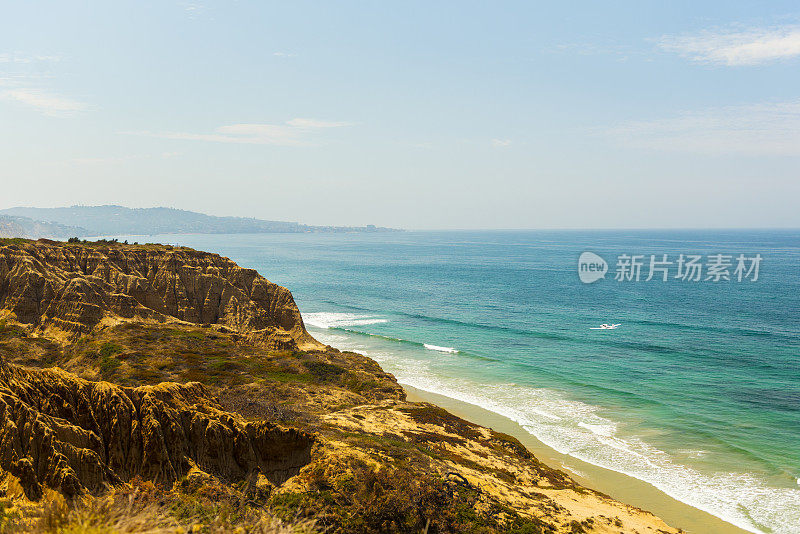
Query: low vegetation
[[145, 508], [250, 380]]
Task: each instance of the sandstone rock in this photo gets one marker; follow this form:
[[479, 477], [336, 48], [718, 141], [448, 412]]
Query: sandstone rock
[[72, 435], [73, 287]]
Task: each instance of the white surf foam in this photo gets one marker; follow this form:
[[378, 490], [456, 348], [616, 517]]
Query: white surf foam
[[451, 350], [342, 342], [574, 428], [600, 430], [340, 320]]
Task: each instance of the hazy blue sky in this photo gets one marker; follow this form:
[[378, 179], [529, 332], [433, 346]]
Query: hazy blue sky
[[412, 114]]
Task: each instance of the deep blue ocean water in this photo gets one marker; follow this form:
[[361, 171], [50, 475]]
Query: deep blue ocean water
[[697, 392]]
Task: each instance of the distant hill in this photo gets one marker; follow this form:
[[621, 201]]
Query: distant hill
[[16, 226], [114, 220]]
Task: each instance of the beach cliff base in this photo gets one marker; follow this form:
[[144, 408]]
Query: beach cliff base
[[161, 389]]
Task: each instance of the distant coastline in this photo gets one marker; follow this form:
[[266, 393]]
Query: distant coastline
[[86, 221]]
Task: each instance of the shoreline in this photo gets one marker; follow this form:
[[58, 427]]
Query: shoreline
[[619, 486]]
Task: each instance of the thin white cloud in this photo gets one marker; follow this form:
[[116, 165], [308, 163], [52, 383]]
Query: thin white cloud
[[49, 104], [100, 161], [294, 132], [424, 146], [760, 129], [103, 160], [284, 54], [193, 9], [314, 123], [21, 70], [22, 80], [501, 142], [18, 57], [736, 47], [619, 52]]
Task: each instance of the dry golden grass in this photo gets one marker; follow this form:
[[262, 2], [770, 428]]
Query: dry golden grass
[[143, 508]]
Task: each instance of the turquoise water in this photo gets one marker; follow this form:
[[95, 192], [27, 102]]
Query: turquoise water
[[697, 392]]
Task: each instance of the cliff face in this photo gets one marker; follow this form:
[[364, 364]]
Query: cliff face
[[72, 435], [73, 287]]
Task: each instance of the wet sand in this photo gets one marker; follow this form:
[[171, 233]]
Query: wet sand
[[617, 485]]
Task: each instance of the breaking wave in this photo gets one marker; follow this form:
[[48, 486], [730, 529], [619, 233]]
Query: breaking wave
[[340, 320], [451, 350]]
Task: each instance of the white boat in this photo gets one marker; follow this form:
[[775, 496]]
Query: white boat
[[605, 326]]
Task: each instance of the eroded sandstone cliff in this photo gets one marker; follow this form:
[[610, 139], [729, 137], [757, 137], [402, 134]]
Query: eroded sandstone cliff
[[73, 287], [72, 435]]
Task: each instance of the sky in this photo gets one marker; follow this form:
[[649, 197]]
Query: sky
[[419, 115]]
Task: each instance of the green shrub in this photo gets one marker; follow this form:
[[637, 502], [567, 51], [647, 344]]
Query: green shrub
[[109, 349], [324, 372]]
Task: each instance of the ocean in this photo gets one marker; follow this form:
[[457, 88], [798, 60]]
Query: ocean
[[697, 392]]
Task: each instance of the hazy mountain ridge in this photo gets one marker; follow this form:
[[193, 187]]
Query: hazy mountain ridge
[[115, 220], [17, 226]]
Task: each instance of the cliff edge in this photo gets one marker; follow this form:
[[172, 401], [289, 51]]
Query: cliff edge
[[72, 288]]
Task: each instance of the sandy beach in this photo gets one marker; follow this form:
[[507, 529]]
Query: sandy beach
[[617, 485]]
